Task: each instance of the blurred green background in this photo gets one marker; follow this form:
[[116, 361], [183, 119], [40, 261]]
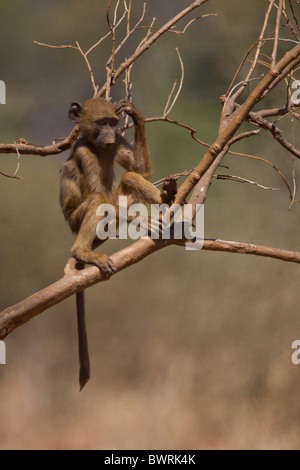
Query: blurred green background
[[190, 350]]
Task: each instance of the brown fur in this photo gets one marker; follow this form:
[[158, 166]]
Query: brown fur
[[88, 180]]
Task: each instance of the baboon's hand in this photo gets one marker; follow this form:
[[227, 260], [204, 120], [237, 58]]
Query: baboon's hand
[[128, 108], [169, 190]]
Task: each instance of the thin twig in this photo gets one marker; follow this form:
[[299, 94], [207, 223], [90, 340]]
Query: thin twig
[[18, 162], [240, 68], [30, 149], [275, 131], [238, 179], [64, 46], [128, 8], [261, 39], [147, 34], [94, 46], [294, 15], [110, 65], [259, 44], [244, 135], [253, 157], [10, 176], [276, 39], [84, 55], [175, 176], [284, 40], [293, 166], [129, 34], [290, 25], [124, 66], [167, 111], [181, 33], [243, 83]]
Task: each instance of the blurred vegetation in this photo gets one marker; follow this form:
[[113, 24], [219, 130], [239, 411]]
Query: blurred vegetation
[[189, 349]]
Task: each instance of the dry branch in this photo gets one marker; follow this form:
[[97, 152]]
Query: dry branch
[[275, 131], [30, 149], [75, 281], [239, 117], [143, 48], [112, 75], [233, 116]]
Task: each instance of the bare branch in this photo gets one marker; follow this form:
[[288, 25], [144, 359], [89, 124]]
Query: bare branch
[[128, 9], [18, 163], [180, 33], [193, 21], [249, 249], [110, 66], [275, 131], [95, 87], [243, 136], [77, 47], [259, 45], [168, 110], [288, 70], [294, 15], [268, 163], [275, 48], [261, 39], [67, 46], [152, 40], [75, 281], [240, 115], [293, 166], [129, 33], [176, 175], [238, 179], [94, 46], [165, 113], [10, 176], [29, 149], [289, 23]]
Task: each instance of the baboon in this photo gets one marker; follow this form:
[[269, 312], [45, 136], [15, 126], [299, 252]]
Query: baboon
[[88, 180]]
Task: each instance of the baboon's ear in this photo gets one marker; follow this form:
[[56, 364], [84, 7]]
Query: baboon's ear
[[74, 111]]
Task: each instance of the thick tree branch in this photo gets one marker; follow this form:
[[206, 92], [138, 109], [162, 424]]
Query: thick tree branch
[[239, 117], [75, 281]]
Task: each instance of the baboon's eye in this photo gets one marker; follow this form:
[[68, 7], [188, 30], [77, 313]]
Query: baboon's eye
[[113, 122], [101, 122]]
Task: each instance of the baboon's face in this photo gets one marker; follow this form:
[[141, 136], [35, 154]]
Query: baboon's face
[[98, 122]]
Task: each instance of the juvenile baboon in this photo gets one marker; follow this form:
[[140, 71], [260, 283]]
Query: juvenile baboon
[[88, 180]]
